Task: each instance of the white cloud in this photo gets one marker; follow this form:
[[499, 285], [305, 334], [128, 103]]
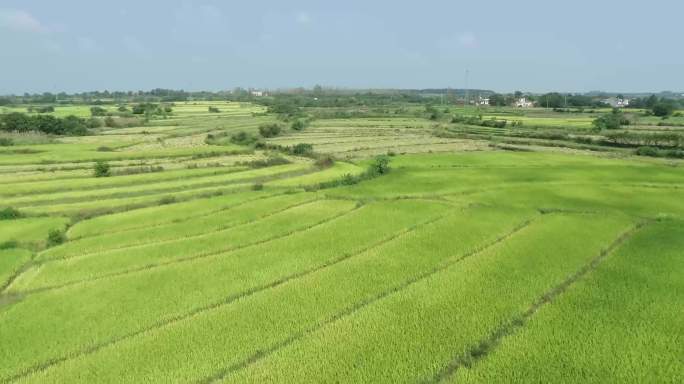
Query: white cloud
[[303, 18], [20, 21], [468, 40]]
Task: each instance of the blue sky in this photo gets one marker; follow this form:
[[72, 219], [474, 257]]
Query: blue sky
[[506, 45]]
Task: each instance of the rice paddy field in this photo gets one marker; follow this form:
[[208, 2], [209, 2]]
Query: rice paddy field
[[213, 263]]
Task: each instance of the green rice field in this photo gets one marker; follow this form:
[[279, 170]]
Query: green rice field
[[470, 259]]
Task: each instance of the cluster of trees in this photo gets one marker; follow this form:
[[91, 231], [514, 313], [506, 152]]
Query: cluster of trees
[[270, 130], [43, 109], [70, 125], [658, 106], [151, 109], [633, 139], [613, 120], [478, 120], [557, 100]]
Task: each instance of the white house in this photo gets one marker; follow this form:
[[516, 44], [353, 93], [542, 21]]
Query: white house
[[616, 103], [483, 100], [256, 93], [524, 103]]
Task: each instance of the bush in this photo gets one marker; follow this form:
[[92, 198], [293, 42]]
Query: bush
[[257, 187], [380, 165], [612, 120], [214, 110], [298, 125], [302, 149], [325, 161], [97, 111], [94, 123], [9, 244], [268, 162], [9, 213], [663, 109], [243, 138], [105, 149], [47, 109], [269, 130], [167, 200], [56, 237], [6, 142], [101, 169], [647, 151], [110, 122]]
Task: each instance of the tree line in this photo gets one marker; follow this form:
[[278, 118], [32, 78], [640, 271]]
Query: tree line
[[48, 124]]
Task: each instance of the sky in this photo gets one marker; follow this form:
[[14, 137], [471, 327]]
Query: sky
[[535, 46]]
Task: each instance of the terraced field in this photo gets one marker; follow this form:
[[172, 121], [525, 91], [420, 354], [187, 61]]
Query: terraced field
[[363, 138], [467, 264]]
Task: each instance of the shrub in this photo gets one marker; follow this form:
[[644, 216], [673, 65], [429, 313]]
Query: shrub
[[105, 149], [663, 109], [325, 161], [94, 123], [9, 213], [269, 130], [647, 151], [101, 169], [298, 125], [9, 244], [380, 165], [257, 187], [56, 237], [243, 138], [167, 200], [612, 120], [214, 110], [302, 149], [110, 122], [6, 142], [268, 162], [46, 109], [97, 111]]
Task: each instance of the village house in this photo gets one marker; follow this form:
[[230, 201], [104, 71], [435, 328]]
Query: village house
[[616, 102], [524, 103]]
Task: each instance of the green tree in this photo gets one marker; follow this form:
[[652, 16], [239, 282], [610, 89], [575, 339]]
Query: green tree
[[101, 169], [663, 108], [269, 130]]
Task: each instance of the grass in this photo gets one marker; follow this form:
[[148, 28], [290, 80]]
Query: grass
[[150, 255], [32, 230], [629, 305], [265, 320], [198, 285], [11, 261], [465, 262], [410, 334]]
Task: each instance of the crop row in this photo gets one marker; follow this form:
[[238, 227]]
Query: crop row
[[11, 260], [233, 334], [409, 336], [113, 263], [55, 324], [133, 189], [622, 324], [158, 215], [173, 229], [82, 184]]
